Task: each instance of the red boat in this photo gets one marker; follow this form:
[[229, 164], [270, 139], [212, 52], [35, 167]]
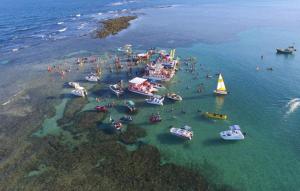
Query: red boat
[[154, 118], [101, 108]]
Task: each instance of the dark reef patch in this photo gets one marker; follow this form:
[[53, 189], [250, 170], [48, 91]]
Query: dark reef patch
[[113, 26]]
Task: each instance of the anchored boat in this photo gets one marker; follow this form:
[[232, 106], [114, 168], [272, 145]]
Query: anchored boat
[[154, 118], [141, 86], [131, 106], [101, 108], [289, 50], [174, 97], [79, 92], [156, 100], [183, 132], [117, 88], [92, 78], [234, 133], [215, 115], [221, 89]]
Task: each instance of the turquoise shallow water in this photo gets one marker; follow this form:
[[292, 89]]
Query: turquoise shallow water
[[268, 159]]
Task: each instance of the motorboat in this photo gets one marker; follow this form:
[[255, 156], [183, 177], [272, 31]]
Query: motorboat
[[157, 85], [131, 106], [92, 78], [156, 100], [154, 118], [141, 86], [73, 84], [221, 89], [183, 132], [126, 118], [289, 50], [174, 97], [215, 115], [101, 108], [79, 92], [117, 89], [234, 133]]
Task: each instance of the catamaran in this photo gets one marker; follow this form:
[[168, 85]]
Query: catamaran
[[156, 100], [184, 132], [221, 89], [234, 133]]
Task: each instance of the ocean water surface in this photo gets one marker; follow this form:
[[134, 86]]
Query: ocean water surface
[[228, 37]]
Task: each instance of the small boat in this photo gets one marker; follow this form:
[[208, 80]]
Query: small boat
[[79, 92], [289, 50], [234, 133], [126, 119], [183, 132], [92, 78], [131, 106], [117, 89], [117, 125], [221, 89], [156, 100], [157, 85], [74, 84], [101, 108], [215, 115], [174, 97], [154, 118]]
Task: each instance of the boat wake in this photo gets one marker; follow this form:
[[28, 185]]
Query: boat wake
[[63, 29], [293, 105]]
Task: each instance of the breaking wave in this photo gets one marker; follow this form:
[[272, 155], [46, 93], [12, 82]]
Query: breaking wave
[[293, 105]]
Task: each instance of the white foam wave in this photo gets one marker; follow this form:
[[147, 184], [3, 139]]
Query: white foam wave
[[63, 29], [117, 3], [293, 105], [60, 23], [78, 15], [15, 49]]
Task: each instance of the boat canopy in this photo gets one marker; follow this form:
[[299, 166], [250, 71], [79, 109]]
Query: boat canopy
[[235, 127], [130, 102], [137, 80]]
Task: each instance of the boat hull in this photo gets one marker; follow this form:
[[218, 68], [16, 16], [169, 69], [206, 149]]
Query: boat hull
[[215, 116], [218, 92], [141, 93], [117, 92]]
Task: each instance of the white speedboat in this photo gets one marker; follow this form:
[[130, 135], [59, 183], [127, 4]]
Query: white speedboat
[[79, 92], [73, 84], [234, 133], [117, 89], [183, 132], [156, 100], [92, 78]]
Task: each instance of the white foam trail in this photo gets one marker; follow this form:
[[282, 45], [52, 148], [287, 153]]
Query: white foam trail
[[117, 3], [63, 29], [60, 23], [12, 98], [293, 105]]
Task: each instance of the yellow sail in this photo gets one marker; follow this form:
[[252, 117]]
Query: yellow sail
[[221, 85]]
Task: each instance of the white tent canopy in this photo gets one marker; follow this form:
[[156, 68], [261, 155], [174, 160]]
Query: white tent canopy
[[137, 80]]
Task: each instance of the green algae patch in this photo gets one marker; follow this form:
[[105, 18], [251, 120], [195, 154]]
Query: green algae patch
[[132, 133], [89, 119], [113, 26], [73, 106]]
